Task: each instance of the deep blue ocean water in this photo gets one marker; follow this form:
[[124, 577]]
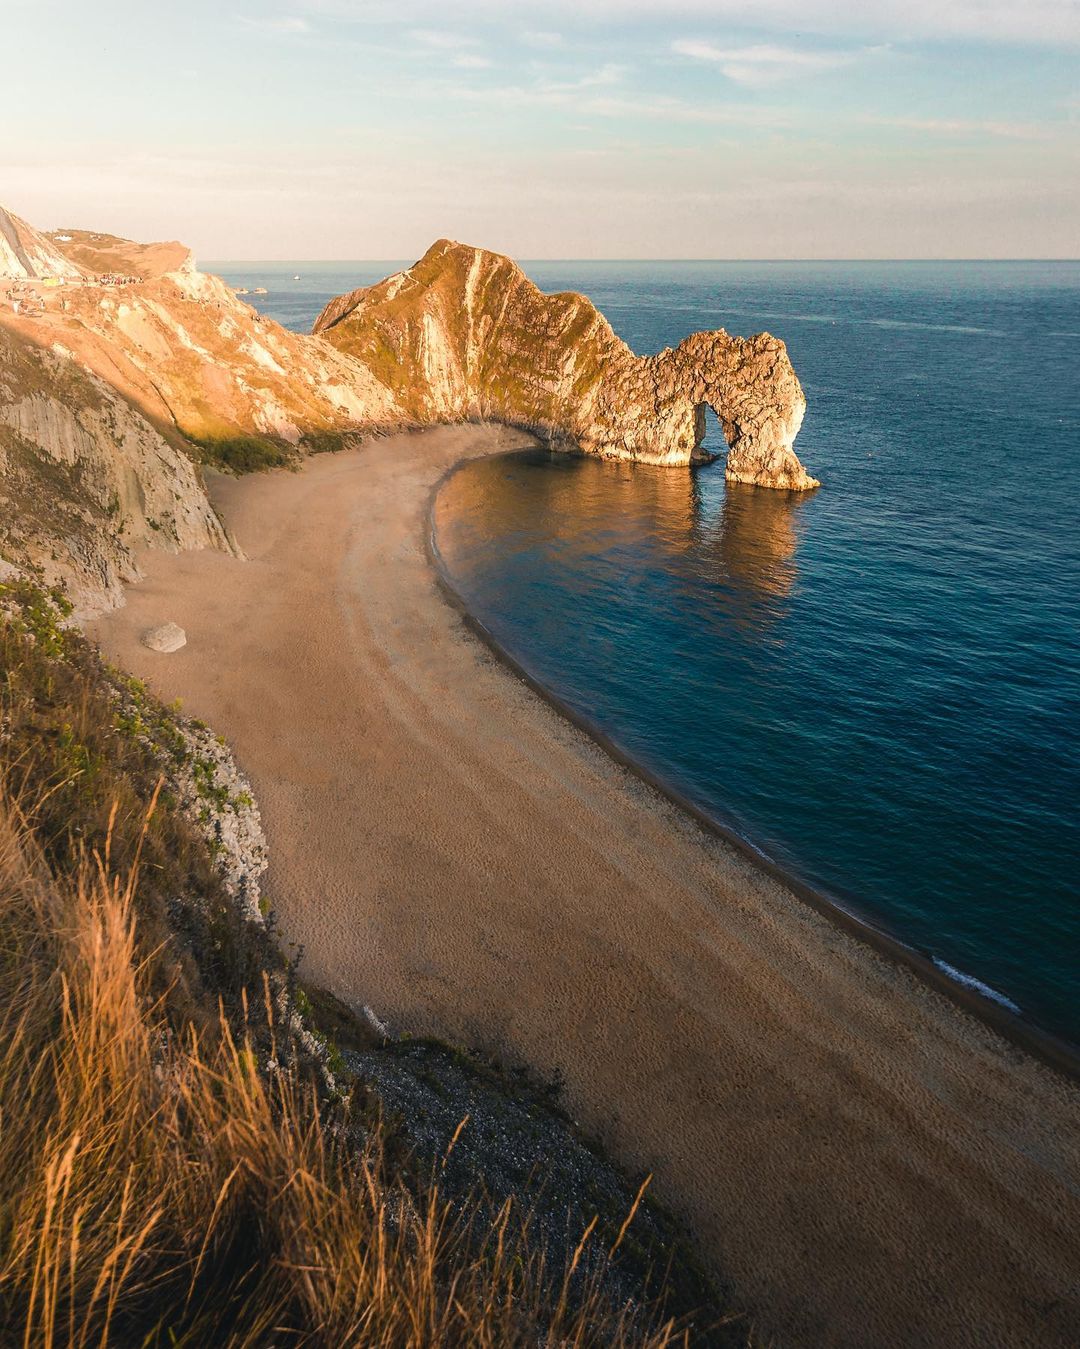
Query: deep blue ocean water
[[878, 684]]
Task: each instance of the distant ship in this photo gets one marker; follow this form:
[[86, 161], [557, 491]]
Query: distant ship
[[296, 277], [259, 290], [240, 290]]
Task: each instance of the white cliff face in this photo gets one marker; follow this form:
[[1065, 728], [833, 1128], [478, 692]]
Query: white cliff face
[[465, 333], [85, 481], [183, 348], [26, 254]]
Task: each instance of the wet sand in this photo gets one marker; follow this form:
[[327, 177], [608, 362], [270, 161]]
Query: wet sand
[[863, 1162]]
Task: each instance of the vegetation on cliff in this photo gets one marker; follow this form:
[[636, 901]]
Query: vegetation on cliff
[[194, 1149]]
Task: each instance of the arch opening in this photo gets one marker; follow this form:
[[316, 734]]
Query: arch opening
[[709, 440]]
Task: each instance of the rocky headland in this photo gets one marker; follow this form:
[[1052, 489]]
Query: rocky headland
[[465, 334], [123, 368]]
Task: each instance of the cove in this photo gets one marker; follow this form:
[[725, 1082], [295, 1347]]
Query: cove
[[799, 687], [877, 682]]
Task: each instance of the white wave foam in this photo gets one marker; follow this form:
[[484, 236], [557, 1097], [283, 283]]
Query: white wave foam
[[933, 327], [969, 981]]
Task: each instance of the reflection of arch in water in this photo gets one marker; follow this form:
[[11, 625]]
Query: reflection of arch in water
[[755, 537], [585, 497], [740, 539]]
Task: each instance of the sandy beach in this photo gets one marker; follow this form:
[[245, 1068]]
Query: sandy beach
[[861, 1161]]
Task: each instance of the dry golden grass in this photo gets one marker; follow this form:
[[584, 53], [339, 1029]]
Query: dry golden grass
[[156, 1190], [166, 1177]]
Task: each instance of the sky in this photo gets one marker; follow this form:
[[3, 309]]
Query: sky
[[323, 129]]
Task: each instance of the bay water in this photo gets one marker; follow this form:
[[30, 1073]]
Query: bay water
[[876, 684]]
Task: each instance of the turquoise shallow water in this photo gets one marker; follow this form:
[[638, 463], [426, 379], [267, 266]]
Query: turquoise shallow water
[[877, 684]]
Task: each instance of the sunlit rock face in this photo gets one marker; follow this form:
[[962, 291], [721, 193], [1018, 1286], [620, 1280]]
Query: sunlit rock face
[[464, 333], [177, 343], [461, 334], [86, 482], [121, 366], [120, 363], [26, 254]]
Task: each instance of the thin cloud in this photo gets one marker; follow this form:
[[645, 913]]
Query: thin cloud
[[597, 95], [961, 126], [470, 61], [606, 76], [442, 41], [539, 38], [284, 25], [763, 63], [1026, 23], [679, 110]]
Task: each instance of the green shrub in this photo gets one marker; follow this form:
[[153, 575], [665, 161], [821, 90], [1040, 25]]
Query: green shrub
[[244, 454]]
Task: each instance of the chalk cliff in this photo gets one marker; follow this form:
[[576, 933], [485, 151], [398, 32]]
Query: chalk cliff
[[26, 253], [184, 349], [122, 367], [86, 481], [465, 333]]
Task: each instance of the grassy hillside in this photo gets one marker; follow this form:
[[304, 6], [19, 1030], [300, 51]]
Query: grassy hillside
[[196, 1150]]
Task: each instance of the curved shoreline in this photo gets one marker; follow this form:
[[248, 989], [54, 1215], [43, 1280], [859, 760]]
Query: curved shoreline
[[1014, 1026], [864, 1165]]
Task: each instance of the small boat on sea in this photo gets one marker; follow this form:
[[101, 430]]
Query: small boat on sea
[[240, 290], [296, 277], [259, 290]]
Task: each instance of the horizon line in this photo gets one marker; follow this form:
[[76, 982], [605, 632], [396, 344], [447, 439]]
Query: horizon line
[[234, 261]]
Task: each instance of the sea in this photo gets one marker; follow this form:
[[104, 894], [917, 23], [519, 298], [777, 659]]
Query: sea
[[877, 684]]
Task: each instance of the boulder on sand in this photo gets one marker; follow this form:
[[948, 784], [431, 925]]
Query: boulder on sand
[[168, 637]]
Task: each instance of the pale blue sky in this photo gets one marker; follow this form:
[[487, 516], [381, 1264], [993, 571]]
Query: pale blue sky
[[573, 128]]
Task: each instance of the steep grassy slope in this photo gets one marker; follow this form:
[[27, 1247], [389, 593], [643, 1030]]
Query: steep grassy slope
[[195, 1150]]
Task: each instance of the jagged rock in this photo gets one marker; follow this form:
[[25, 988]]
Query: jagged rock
[[218, 799], [167, 638], [464, 333], [97, 380], [86, 481], [180, 346]]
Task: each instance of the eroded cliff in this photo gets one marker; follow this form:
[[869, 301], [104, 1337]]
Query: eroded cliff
[[182, 347], [122, 366], [26, 253], [465, 333], [86, 481]]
